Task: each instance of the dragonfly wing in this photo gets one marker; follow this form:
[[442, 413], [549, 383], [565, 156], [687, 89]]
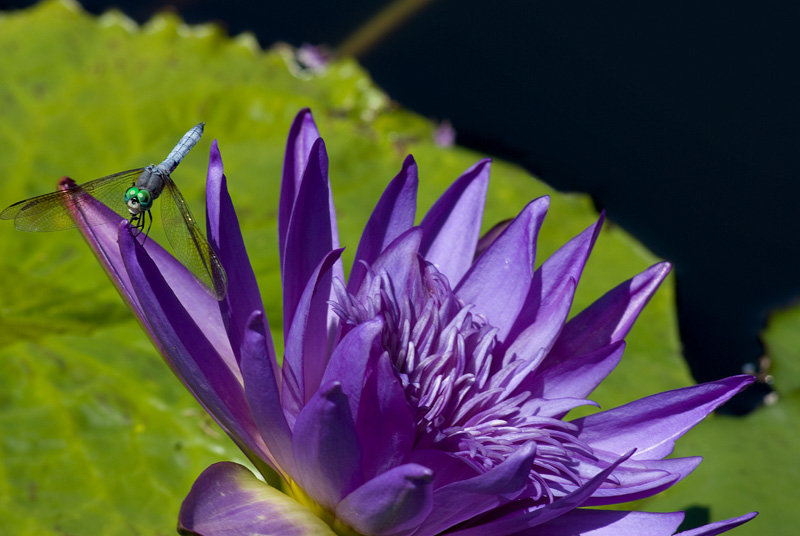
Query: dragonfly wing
[[188, 242], [75, 206]]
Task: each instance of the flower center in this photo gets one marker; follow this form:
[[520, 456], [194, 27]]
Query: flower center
[[465, 398]]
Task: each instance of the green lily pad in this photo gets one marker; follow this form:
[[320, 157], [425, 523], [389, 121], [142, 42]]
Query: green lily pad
[[96, 435], [781, 339]]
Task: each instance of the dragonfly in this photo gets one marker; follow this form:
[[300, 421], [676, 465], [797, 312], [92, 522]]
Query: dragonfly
[[130, 195]]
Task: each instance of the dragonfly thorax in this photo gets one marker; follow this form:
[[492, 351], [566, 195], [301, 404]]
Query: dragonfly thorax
[[153, 179]]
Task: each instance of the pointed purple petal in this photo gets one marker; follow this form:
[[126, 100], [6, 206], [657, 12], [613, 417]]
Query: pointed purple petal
[[301, 155], [577, 376], [553, 407], [204, 310], [568, 262], [452, 225], [350, 360], [225, 236], [653, 424], [187, 350], [516, 522], [609, 319], [307, 340], [227, 500], [634, 481], [385, 422], [400, 263], [263, 394], [490, 236], [630, 479], [449, 468], [393, 215], [308, 238], [103, 240], [541, 326], [543, 316], [463, 500], [394, 502], [611, 523], [302, 135], [326, 448], [498, 281], [719, 527]]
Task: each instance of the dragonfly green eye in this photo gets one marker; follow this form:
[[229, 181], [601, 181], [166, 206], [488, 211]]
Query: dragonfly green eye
[[130, 193], [144, 199]]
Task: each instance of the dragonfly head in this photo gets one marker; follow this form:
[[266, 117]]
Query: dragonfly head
[[138, 200]]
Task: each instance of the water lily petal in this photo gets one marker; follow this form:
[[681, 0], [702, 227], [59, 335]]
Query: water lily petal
[[308, 238], [630, 479], [393, 503], [568, 261], [534, 516], [463, 500], [452, 225], [610, 523], [261, 386], [228, 500], [654, 423], [719, 527], [187, 350], [326, 448], [542, 326], [577, 376], [488, 238], [307, 339], [225, 237], [449, 468], [302, 135], [300, 154], [399, 263], [498, 281], [609, 319], [641, 479], [351, 358], [103, 241], [553, 286], [392, 216], [385, 422], [554, 407]]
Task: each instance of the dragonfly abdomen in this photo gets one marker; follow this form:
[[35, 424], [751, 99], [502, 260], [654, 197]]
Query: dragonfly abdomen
[[182, 148]]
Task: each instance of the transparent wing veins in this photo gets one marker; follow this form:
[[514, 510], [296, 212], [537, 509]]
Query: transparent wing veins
[[189, 243], [59, 210]]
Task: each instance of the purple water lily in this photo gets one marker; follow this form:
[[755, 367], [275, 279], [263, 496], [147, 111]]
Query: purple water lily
[[425, 394]]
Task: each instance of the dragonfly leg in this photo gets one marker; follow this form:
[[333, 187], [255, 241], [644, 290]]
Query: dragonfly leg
[[138, 222], [134, 222], [149, 225]]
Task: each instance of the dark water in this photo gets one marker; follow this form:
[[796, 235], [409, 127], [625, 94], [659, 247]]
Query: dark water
[[680, 119]]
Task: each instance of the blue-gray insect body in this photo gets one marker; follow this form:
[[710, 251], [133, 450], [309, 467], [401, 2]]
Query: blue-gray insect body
[[130, 194]]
